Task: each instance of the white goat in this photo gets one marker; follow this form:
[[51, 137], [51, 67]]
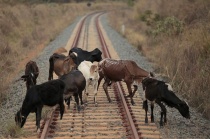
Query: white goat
[[90, 72]]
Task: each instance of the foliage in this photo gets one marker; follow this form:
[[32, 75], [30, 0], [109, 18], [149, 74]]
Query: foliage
[[168, 26]]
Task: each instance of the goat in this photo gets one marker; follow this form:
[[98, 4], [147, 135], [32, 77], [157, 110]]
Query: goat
[[75, 85], [82, 55], [31, 74], [121, 70], [49, 93], [60, 64], [158, 92], [90, 72]]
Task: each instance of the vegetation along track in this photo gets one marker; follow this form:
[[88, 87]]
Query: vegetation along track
[[118, 119]]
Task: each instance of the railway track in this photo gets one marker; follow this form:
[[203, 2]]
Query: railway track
[[116, 120]]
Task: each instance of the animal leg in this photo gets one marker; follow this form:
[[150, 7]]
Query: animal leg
[[38, 118], [68, 102], [105, 85], [77, 101], [130, 93], [144, 98], [62, 106], [152, 115], [163, 113], [135, 89], [145, 106], [86, 92], [51, 61], [99, 81], [95, 94], [65, 106], [80, 97]]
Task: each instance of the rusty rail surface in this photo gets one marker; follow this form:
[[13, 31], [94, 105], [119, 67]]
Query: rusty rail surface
[[106, 53]]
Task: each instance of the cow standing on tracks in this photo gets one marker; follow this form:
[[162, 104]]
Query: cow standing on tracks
[[90, 72], [121, 70], [82, 55], [49, 93]]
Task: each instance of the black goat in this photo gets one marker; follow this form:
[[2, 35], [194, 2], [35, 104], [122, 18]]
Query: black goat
[[49, 93], [159, 91], [31, 74], [81, 55], [75, 83]]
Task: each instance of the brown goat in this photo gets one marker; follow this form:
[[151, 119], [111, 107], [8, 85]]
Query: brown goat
[[121, 70], [31, 74], [60, 64]]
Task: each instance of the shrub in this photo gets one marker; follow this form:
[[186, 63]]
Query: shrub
[[168, 26]]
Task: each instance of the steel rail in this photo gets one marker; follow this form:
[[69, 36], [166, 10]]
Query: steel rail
[[134, 131], [75, 43]]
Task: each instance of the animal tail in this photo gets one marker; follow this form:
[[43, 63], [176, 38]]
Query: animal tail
[[51, 61]]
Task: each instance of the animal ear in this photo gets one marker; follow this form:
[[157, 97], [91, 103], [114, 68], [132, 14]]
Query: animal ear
[[73, 55]]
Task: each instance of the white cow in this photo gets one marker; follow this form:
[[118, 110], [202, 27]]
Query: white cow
[[90, 72]]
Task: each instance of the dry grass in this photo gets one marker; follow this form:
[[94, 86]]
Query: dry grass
[[177, 42], [25, 29]]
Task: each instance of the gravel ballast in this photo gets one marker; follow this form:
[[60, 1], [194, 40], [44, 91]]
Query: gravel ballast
[[177, 126]]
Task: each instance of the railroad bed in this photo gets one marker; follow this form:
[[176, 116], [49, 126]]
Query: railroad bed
[[107, 120]]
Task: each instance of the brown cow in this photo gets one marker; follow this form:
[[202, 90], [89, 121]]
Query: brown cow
[[121, 70], [31, 74], [60, 64]]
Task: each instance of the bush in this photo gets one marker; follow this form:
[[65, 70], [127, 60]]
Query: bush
[[168, 26]]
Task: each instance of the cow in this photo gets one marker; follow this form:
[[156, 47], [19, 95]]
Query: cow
[[81, 55], [31, 74], [158, 92], [90, 72], [49, 93], [75, 84], [61, 64], [112, 70]]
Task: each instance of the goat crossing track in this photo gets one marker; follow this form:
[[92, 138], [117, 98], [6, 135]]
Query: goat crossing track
[[116, 120]]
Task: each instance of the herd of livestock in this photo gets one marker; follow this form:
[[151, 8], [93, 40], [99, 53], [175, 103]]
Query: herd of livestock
[[80, 69]]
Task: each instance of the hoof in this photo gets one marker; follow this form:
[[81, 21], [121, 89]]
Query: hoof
[[161, 124], [146, 120], [96, 104], [38, 131], [78, 108], [133, 103]]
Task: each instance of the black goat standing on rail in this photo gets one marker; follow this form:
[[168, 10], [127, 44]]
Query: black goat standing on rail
[[75, 84], [159, 91], [49, 93]]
